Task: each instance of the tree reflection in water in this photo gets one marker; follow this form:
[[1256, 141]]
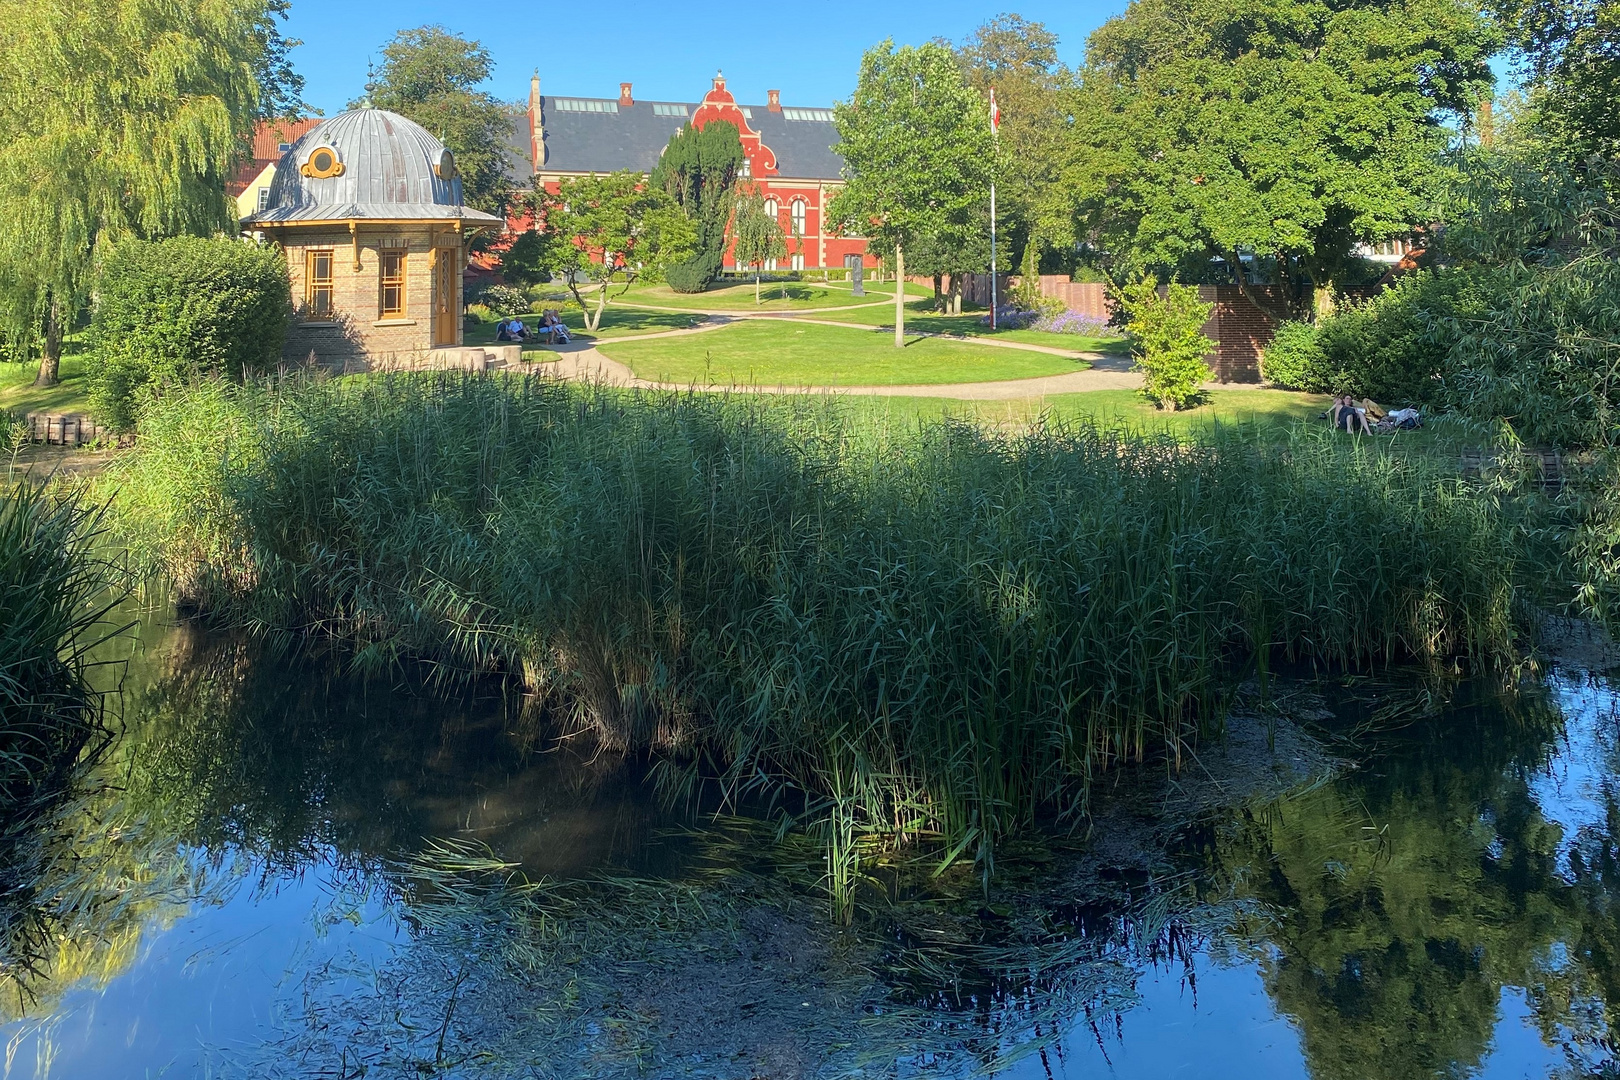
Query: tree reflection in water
[[1404, 897], [1386, 910]]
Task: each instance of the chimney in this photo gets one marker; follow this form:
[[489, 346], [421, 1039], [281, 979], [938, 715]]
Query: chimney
[[625, 100], [534, 89], [773, 100]]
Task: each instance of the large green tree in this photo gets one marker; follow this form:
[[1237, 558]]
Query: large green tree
[[432, 76], [1270, 129], [699, 170], [602, 232], [918, 156], [117, 118], [1571, 54], [1018, 59]]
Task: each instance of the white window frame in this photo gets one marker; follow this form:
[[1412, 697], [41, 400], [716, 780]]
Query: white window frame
[[798, 215]]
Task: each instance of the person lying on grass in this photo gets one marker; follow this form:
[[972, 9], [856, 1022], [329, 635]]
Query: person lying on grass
[[1348, 416]]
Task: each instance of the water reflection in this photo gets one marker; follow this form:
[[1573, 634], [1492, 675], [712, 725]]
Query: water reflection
[[234, 886], [290, 761]]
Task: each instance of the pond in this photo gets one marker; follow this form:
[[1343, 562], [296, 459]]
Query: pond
[[280, 870]]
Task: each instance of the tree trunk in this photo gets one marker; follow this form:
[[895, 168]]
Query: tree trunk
[[50, 359], [594, 321], [956, 294], [1323, 300], [899, 298], [939, 294], [757, 300]]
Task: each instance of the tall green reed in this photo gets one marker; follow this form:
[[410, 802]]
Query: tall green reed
[[936, 634], [54, 599]]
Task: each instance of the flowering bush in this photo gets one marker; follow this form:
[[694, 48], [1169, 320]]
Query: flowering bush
[[1054, 320]]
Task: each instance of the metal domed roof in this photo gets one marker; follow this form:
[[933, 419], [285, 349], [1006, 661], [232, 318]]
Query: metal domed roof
[[366, 163]]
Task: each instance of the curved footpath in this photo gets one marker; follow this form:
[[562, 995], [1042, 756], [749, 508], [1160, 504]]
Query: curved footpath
[[582, 360]]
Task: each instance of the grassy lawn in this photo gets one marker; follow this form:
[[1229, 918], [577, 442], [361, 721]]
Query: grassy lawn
[[1257, 408], [920, 316], [616, 322], [19, 395], [783, 353], [739, 296]]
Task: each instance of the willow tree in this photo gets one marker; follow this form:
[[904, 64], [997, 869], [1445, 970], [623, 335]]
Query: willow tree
[[117, 118], [918, 156], [756, 235]]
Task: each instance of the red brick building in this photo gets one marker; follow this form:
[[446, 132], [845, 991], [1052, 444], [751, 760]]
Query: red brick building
[[789, 154]]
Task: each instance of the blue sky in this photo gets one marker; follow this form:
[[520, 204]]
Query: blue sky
[[810, 51]]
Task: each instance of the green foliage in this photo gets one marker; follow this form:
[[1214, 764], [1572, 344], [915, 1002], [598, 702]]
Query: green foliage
[[54, 591], [918, 156], [1167, 339], [921, 631], [169, 311], [695, 274], [504, 300], [606, 231], [117, 118], [431, 76], [1400, 347], [699, 170], [1035, 92], [1299, 128], [1295, 361], [755, 235], [1573, 69], [523, 263]]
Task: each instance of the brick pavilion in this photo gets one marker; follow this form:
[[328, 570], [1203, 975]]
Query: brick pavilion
[[368, 208]]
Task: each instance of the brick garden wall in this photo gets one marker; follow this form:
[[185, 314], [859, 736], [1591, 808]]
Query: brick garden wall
[[1241, 330]]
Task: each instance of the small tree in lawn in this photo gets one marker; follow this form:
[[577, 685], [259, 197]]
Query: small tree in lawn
[[1167, 340], [605, 231], [757, 235], [918, 156]]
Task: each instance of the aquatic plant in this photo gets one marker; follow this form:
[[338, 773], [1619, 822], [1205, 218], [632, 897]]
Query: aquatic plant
[[54, 599], [936, 634]]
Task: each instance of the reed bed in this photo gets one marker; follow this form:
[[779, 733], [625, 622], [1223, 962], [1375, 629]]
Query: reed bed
[[939, 633], [54, 599]]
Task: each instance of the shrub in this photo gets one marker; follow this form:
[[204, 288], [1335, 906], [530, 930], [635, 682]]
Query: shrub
[[1398, 347], [1167, 340], [1295, 361], [167, 311], [503, 300], [695, 274]]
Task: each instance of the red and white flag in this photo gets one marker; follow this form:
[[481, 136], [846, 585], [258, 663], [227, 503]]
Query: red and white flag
[[995, 113]]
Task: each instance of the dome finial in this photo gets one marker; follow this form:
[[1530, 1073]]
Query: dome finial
[[371, 86]]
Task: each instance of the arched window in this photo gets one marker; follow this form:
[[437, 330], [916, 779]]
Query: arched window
[[770, 207], [798, 217]]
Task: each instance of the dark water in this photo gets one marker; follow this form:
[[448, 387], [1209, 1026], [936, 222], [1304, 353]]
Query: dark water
[[234, 903]]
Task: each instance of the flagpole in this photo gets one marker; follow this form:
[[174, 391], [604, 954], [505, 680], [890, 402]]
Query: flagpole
[[992, 253]]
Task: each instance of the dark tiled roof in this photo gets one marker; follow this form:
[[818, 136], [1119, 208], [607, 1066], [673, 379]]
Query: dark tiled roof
[[804, 148], [520, 162], [632, 138]]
